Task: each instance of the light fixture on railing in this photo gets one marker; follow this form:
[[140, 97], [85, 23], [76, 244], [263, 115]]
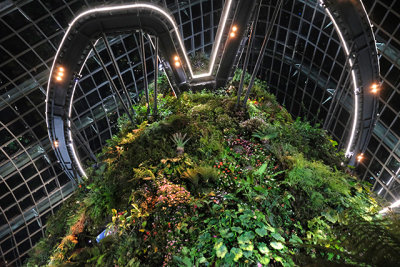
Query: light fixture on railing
[[233, 31], [56, 143], [177, 62], [360, 157], [374, 88], [60, 74]]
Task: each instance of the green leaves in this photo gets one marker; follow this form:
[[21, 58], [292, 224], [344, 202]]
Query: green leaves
[[262, 169], [261, 231], [237, 252], [245, 242], [237, 229], [295, 239], [278, 237], [331, 215], [247, 246], [225, 233], [246, 237], [220, 248], [262, 247], [277, 245]]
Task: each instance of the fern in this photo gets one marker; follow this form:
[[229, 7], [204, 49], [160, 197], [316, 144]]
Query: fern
[[375, 241], [267, 133]]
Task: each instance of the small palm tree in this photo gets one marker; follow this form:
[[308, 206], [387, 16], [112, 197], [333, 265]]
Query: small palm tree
[[180, 142]]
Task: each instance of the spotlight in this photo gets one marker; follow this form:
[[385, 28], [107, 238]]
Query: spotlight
[[177, 63], [374, 88], [56, 143], [360, 157], [60, 74], [234, 28], [232, 34]]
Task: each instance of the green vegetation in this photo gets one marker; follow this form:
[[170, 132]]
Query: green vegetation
[[251, 187]]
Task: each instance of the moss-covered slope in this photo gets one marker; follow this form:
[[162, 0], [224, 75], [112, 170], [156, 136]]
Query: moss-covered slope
[[246, 187]]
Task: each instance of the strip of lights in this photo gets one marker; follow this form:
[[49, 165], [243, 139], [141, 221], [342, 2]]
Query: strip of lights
[[348, 153], [394, 205], [348, 150], [71, 142], [124, 7], [373, 35]]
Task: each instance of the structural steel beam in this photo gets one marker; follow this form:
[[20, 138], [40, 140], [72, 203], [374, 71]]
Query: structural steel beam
[[116, 68], [263, 47]]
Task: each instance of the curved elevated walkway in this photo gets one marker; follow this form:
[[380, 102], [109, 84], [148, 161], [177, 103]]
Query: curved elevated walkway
[[349, 17]]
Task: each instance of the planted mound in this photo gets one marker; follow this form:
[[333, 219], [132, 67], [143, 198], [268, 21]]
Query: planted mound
[[208, 185]]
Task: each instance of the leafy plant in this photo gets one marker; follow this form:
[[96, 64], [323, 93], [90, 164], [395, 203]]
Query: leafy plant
[[252, 188], [180, 142]]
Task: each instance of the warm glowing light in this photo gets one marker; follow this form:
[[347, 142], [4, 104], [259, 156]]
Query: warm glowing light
[[176, 58], [232, 34], [160, 11], [394, 205], [360, 157], [234, 28], [374, 88], [60, 74], [56, 143], [177, 64]]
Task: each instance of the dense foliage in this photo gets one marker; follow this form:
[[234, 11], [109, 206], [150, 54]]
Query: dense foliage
[[209, 185]]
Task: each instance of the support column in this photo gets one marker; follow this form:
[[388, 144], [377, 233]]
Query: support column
[[248, 51], [121, 81], [146, 85], [155, 77], [112, 83], [262, 51]]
